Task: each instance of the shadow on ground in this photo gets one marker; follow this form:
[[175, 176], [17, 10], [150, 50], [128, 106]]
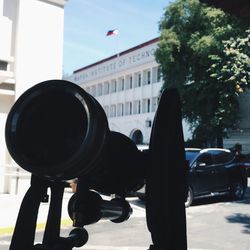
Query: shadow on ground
[[138, 203], [243, 219], [222, 199], [207, 201]]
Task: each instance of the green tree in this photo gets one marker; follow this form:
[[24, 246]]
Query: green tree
[[233, 67], [191, 54]]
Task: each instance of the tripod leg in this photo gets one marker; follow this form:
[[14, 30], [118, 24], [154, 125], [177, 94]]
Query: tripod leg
[[52, 229], [24, 233]]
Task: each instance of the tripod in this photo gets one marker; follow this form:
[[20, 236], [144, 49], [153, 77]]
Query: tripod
[[24, 233], [85, 207]]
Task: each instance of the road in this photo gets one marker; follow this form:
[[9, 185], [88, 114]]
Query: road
[[212, 224]]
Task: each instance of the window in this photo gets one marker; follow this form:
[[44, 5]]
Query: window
[[93, 90], [120, 109], [113, 86], [128, 108], [113, 110], [155, 101], [146, 105], [190, 155], [121, 84], [205, 158], [222, 157], [106, 88], [88, 89], [3, 65], [99, 89], [146, 77], [137, 107], [156, 74], [137, 79], [106, 109], [129, 82]]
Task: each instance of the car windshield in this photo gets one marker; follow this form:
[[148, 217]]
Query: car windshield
[[190, 155]]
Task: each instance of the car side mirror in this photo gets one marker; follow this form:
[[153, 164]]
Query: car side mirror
[[201, 164]]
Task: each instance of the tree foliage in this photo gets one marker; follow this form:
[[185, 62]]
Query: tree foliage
[[204, 52], [233, 67]]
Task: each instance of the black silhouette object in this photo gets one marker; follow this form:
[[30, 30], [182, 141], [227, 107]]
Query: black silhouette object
[[57, 131]]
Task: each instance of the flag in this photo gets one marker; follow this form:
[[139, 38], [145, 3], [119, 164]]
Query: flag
[[112, 32]]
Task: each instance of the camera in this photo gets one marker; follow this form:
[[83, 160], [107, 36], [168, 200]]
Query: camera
[[59, 132]]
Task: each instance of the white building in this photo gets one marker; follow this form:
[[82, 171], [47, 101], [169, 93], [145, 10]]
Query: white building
[[128, 87], [31, 51]]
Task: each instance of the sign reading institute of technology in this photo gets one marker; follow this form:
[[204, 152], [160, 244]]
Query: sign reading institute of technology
[[118, 63]]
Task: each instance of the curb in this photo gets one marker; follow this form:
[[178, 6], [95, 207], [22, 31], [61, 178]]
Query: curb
[[6, 231]]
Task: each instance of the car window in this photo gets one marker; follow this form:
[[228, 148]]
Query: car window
[[190, 155], [205, 158], [222, 157]]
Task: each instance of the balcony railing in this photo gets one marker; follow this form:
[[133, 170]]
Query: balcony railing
[[6, 74]]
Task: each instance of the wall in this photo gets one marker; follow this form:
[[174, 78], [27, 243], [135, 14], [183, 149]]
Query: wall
[[139, 59], [35, 45], [39, 43]]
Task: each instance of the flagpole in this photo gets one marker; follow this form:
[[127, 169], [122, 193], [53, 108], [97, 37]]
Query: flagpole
[[117, 45], [116, 41]]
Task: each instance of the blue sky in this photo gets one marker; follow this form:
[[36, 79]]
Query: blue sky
[[87, 22]]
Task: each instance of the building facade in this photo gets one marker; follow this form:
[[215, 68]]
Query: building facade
[[31, 51], [128, 86]]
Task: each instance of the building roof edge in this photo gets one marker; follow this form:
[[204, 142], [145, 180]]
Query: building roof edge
[[119, 54]]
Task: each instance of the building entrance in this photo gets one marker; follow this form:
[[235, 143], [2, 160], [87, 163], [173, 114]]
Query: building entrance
[[137, 136]]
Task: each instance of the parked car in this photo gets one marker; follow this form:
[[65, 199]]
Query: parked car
[[212, 172]]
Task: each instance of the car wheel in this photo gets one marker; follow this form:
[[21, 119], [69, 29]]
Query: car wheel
[[237, 190], [190, 197]]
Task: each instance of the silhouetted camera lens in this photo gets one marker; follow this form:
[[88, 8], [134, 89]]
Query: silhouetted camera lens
[[56, 130]]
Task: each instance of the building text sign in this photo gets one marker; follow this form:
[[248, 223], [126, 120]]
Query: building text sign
[[126, 61]]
